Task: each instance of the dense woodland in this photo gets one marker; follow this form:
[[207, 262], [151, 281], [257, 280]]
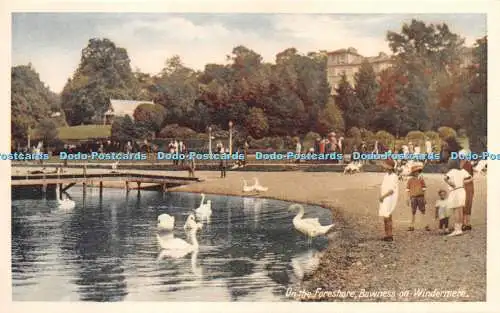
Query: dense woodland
[[424, 90]]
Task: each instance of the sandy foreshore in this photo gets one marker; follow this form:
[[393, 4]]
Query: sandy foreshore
[[356, 259]]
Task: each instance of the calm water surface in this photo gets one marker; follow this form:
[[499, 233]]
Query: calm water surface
[[107, 249]]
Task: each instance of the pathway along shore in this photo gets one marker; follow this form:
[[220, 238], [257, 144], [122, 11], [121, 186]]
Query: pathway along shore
[[356, 259]]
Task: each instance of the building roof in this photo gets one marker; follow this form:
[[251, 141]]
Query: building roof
[[349, 50], [124, 107]]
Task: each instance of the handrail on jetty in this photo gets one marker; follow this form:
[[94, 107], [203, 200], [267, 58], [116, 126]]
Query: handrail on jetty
[[45, 179]]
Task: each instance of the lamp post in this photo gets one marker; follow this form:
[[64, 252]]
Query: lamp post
[[230, 137], [210, 140]]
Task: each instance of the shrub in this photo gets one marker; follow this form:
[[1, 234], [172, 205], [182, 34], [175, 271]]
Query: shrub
[[176, 131], [432, 136], [446, 132], [416, 136], [385, 138]]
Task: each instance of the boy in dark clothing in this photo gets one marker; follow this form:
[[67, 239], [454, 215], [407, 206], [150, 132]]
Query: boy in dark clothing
[[416, 194]]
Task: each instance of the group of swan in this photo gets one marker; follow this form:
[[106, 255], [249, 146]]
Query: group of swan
[[310, 227], [176, 247], [166, 222], [255, 187]]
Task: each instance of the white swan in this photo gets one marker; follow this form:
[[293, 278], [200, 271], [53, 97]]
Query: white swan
[[191, 223], [175, 247], [258, 187], [353, 167], [114, 166], [166, 222], [247, 188], [308, 226], [202, 202], [205, 211], [66, 203]]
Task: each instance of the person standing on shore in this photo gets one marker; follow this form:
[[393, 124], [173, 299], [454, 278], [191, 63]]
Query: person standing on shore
[[455, 178], [469, 192], [442, 212], [416, 195], [388, 197]]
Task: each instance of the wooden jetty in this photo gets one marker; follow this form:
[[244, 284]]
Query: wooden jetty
[[66, 181]]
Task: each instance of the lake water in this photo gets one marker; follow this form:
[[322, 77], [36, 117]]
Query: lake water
[[106, 249]]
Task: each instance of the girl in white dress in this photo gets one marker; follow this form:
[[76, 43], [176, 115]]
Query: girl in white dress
[[456, 198], [388, 197]]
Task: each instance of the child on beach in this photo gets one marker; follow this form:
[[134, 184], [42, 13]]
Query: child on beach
[[442, 212], [388, 197], [416, 194], [455, 179]]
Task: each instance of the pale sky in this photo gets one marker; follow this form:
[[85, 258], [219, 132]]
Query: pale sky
[[52, 42]]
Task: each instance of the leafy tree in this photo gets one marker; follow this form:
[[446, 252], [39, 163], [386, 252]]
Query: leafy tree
[[150, 115], [257, 123], [31, 101], [366, 88], [123, 129], [104, 72], [471, 108], [178, 91], [47, 131], [346, 99], [330, 119]]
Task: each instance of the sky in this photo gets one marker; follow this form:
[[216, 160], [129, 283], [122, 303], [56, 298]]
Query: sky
[[52, 42]]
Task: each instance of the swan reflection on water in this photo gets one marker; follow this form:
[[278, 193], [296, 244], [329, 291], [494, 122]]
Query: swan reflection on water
[[306, 263], [253, 207], [251, 252]]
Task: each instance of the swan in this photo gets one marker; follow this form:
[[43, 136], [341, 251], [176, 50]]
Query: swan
[[257, 186], [353, 167], [204, 212], [66, 203], [176, 247], [191, 223], [202, 202], [166, 222], [114, 166], [308, 226], [247, 188]]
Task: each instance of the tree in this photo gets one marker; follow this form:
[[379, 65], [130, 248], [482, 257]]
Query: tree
[[178, 91], [471, 108], [366, 88], [423, 54], [330, 119], [103, 73], [31, 101], [123, 129], [257, 124], [47, 131], [347, 101], [151, 116]]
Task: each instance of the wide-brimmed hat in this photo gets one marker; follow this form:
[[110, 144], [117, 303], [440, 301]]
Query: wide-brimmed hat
[[416, 168], [389, 164]]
